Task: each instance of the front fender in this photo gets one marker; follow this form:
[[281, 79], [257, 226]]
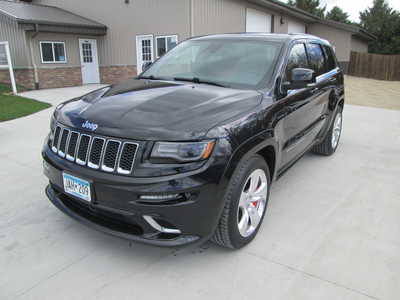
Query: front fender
[[249, 148]]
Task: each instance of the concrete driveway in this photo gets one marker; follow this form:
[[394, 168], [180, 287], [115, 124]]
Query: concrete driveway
[[332, 229]]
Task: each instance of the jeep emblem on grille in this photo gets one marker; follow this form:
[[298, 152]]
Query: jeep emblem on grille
[[91, 126]]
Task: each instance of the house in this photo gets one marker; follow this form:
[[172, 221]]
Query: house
[[57, 43]]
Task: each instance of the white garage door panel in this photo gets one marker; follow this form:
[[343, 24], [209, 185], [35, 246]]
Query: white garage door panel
[[257, 21], [296, 27]]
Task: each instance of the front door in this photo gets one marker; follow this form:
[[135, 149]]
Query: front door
[[303, 109], [89, 61], [144, 51]]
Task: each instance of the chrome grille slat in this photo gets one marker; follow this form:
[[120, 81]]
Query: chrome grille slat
[[56, 139], [83, 149], [127, 157], [110, 155], [72, 143], [96, 152], [63, 142]]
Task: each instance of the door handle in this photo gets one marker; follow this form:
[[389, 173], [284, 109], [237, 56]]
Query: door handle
[[314, 90]]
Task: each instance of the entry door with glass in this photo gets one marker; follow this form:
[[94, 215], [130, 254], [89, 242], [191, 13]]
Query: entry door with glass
[[89, 61], [144, 51]]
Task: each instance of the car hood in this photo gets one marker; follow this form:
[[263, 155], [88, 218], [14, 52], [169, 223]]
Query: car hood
[[157, 110]]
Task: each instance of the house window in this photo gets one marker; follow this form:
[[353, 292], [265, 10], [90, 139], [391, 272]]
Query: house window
[[53, 52], [165, 43]]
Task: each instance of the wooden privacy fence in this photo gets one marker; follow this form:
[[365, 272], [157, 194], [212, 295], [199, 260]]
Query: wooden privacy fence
[[382, 67]]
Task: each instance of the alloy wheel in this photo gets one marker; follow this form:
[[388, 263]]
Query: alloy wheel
[[252, 202], [337, 130]]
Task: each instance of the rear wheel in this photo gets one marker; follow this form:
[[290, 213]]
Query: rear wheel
[[329, 145], [245, 204]]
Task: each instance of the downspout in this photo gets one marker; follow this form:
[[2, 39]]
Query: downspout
[[191, 18], [35, 69]]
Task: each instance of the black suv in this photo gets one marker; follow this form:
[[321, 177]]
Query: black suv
[[188, 150]]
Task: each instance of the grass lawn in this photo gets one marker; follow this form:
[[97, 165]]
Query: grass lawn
[[12, 107]]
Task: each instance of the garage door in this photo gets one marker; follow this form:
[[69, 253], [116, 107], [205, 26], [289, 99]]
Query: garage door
[[296, 27], [257, 21]]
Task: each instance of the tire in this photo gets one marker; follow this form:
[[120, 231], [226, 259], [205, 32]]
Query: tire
[[328, 146], [231, 233]]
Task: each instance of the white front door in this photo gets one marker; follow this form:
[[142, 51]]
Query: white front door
[[89, 61], [144, 51], [257, 21]]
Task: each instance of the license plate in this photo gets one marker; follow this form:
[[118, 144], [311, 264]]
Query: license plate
[[77, 187]]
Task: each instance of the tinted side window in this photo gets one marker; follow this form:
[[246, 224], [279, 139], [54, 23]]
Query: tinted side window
[[316, 56], [330, 58], [297, 59]]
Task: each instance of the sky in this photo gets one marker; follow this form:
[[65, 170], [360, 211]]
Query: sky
[[353, 7]]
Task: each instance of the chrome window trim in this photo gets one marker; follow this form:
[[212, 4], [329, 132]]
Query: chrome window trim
[[104, 167]]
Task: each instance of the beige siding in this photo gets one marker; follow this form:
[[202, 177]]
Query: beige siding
[[9, 31], [219, 16], [126, 21], [71, 48], [340, 39], [358, 45], [160, 17], [226, 16]]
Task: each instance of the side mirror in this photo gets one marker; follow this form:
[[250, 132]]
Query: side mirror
[[146, 65], [300, 79]]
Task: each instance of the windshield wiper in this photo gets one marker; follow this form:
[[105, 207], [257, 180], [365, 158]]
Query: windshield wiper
[[151, 77], [198, 80]]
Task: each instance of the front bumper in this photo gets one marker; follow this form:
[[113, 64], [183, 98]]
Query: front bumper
[[115, 208]]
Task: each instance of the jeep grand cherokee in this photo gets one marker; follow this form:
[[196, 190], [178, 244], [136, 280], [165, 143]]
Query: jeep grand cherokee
[[188, 150]]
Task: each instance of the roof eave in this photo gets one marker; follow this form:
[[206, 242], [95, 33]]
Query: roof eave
[[39, 22], [287, 10]]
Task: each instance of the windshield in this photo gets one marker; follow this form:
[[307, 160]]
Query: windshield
[[236, 63]]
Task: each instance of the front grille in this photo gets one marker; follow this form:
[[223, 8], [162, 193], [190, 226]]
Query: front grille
[[83, 149], [127, 157], [63, 142], [73, 141], [96, 151], [108, 154]]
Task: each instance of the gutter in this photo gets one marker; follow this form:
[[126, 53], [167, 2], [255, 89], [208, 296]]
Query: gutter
[[35, 69], [191, 8]]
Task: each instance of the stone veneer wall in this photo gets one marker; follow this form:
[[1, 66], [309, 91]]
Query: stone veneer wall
[[23, 77], [65, 77], [59, 77], [116, 74]]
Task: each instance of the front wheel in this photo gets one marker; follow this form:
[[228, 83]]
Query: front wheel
[[245, 204], [329, 145]]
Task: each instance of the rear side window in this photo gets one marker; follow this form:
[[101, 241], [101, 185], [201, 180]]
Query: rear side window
[[297, 59], [330, 58], [316, 56]]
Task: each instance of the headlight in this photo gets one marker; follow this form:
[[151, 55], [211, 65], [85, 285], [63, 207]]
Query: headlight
[[183, 152]]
